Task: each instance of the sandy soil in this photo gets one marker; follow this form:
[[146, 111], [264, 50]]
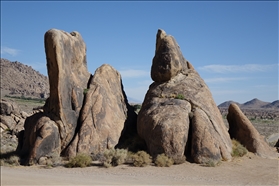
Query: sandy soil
[[249, 170]]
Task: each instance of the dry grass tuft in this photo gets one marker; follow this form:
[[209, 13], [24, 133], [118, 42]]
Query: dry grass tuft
[[238, 150], [163, 161]]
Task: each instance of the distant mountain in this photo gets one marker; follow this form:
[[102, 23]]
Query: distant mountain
[[22, 80], [274, 104], [253, 104]]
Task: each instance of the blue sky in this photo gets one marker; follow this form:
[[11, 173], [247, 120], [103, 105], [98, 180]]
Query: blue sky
[[232, 45]]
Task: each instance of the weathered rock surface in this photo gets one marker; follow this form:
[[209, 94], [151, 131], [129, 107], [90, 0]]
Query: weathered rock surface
[[41, 138], [168, 60], [105, 115], [68, 78], [178, 95], [241, 129], [165, 126]]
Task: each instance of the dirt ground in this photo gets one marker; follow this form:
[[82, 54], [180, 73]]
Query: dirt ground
[[248, 170]]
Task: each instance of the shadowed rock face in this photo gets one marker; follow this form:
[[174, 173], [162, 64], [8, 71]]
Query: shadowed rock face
[[177, 100], [243, 130], [104, 116]]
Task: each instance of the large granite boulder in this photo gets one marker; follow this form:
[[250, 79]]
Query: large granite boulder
[[105, 115], [241, 129], [178, 110], [68, 78], [41, 138]]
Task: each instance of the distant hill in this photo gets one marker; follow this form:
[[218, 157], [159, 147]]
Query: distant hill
[[22, 80], [227, 104], [253, 104], [274, 104]]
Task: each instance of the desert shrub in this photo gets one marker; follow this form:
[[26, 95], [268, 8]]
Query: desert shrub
[[238, 150], [141, 159], [179, 96], [80, 160], [9, 158], [114, 157], [85, 91], [211, 163], [163, 161], [13, 160]]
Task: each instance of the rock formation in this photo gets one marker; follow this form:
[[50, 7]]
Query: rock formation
[[11, 125], [179, 115], [241, 129], [104, 116], [11, 118], [68, 77], [72, 122]]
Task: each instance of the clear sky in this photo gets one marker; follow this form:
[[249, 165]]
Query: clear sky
[[232, 45]]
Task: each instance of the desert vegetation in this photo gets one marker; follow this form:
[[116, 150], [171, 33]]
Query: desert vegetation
[[163, 161], [141, 159], [80, 160], [238, 150]]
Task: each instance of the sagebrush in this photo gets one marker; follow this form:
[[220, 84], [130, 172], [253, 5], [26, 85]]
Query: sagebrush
[[238, 150], [80, 160], [114, 157], [163, 161], [141, 159]]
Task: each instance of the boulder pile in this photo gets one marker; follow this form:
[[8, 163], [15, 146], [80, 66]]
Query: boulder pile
[[11, 125]]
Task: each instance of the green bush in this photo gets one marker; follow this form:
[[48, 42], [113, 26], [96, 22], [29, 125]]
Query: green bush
[[80, 160], [141, 159], [238, 150], [179, 96], [114, 157], [163, 161], [85, 91], [137, 107]]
